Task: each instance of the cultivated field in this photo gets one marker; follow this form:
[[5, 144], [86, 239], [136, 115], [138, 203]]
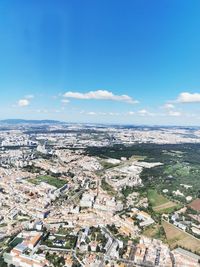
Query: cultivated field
[[160, 203], [178, 237]]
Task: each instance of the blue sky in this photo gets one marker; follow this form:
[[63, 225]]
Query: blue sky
[[132, 61]]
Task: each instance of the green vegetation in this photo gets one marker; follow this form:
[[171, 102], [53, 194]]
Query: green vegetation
[[76, 264], [66, 241], [106, 187], [160, 203], [49, 180], [126, 191], [96, 234], [170, 209], [2, 263], [55, 260], [155, 231], [155, 198], [63, 231], [70, 241], [113, 229], [3, 224], [180, 165], [108, 165], [178, 169]]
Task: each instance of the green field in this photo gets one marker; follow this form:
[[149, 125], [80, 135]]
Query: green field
[[108, 188], [49, 180], [155, 198], [160, 203]]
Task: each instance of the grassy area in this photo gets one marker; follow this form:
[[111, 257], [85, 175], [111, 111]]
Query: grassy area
[[63, 231], [171, 208], [69, 241], [138, 158], [155, 231], [178, 237], [49, 180], [155, 198], [108, 188], [108, 165], [160, 203]]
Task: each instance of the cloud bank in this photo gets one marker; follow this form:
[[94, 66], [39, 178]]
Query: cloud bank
[[186, 97], [23, 103], [100, 95]]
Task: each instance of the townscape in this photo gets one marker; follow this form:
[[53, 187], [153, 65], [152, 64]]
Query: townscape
[[94, 195], [99, 133]]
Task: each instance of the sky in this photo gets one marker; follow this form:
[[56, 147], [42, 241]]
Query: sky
[[102, 61]]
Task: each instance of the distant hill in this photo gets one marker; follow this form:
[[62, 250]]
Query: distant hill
[[20, 121]]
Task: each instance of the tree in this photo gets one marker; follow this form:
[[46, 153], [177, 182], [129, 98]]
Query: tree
[[98, 249]]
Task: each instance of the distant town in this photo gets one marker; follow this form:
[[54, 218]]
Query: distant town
[[99, 195]]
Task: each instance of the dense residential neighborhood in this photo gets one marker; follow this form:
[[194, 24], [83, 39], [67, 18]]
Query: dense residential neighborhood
[[65, 201]]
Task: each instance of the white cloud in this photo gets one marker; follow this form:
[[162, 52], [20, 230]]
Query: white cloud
[[100, 95], [170, 110], [169, 106], [114, 114], [186, 97], [131, 113], [92, 113], [144, 112], [23, 102], [174, 113], [42, 111], [29, 96], [65, 101]]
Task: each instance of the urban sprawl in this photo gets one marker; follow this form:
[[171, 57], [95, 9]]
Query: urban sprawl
[[99, 195]]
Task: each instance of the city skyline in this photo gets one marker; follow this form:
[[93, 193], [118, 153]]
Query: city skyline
[[132, 63]]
